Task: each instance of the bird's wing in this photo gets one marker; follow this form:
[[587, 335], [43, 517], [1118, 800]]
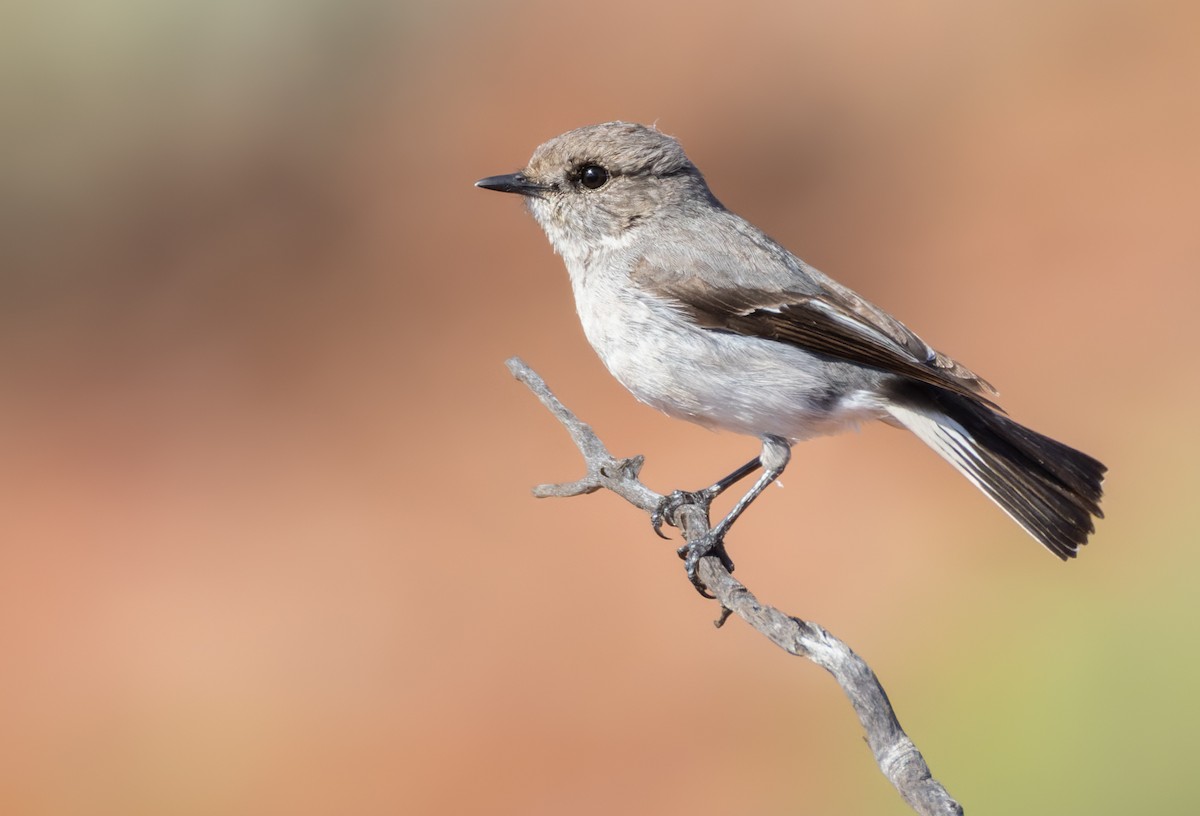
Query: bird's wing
[[833, 321]]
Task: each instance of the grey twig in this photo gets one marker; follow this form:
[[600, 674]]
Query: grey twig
[[897, 756]]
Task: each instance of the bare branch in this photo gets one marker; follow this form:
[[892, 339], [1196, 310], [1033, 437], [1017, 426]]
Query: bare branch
[[896, 755]]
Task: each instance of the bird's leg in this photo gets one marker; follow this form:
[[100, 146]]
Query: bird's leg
[[774, 458], [667, 507]]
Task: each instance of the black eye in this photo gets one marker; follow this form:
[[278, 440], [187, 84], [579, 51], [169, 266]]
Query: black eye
[[593, 176]]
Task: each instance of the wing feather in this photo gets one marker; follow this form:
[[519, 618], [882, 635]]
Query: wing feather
[[835, 322]]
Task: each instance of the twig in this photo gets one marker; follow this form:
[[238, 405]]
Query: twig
[[897, 756]]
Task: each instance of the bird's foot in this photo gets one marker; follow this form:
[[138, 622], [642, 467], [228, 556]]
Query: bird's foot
[[665, 512], [691, 553]]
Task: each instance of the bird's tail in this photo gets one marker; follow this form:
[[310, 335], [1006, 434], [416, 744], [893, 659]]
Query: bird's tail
[[1050, 489]]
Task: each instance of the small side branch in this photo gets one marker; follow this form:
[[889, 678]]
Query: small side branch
[[896, 755]]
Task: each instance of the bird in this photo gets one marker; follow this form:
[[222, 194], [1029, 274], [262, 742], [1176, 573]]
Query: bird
[[701, 315]]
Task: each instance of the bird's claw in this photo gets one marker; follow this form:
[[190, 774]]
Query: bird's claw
[[664, 513], [693, 551], [708, 544]]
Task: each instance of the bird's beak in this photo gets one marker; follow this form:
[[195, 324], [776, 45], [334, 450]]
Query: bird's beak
[[512, 183]]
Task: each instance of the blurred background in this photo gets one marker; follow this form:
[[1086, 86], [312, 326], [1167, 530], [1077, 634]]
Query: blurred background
[[267, 544]]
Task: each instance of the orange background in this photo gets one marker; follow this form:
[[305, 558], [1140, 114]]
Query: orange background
[[267, 545]]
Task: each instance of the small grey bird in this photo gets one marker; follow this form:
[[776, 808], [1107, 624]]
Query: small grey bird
[[701, 315]]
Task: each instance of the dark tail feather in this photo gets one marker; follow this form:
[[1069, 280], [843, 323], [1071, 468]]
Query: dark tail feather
[[1050, 489]]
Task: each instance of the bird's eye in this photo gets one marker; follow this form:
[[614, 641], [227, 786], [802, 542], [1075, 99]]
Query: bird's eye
[[593, 176]]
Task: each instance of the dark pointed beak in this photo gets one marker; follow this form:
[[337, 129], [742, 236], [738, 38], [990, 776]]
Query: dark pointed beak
[[512, 183]]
